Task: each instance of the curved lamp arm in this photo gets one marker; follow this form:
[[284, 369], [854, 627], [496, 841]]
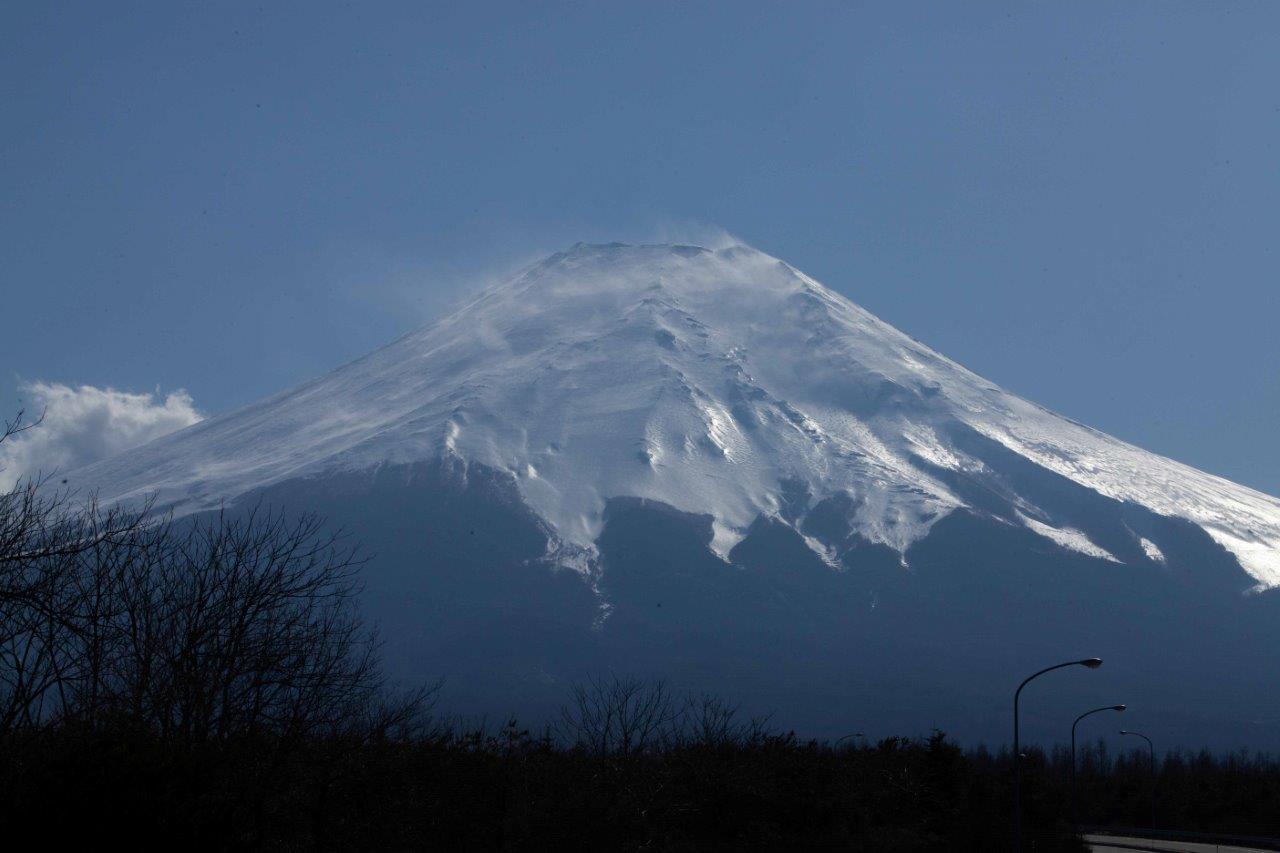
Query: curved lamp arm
[[1091, 663]]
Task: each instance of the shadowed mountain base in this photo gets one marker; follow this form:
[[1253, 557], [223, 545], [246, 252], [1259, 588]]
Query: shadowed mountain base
[[463, 587]]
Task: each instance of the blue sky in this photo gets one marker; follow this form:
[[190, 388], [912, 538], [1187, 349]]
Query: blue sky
[[1078, 201]]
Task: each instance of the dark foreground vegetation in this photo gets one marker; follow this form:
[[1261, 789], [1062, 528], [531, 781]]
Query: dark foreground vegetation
[[210, 685]]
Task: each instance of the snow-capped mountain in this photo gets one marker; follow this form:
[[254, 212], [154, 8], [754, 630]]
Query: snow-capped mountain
[[722, 383]]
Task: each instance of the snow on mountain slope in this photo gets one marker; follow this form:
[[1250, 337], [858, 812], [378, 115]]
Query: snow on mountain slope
[[718, 382]]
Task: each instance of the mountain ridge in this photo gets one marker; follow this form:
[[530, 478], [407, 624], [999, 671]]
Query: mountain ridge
[[717, 381]]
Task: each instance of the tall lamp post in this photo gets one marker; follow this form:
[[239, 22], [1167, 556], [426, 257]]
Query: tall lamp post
[[1151, 748], [1075, 801], [1091, 663]]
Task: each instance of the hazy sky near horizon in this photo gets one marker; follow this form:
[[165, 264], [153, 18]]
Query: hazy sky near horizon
[[1078, 201]]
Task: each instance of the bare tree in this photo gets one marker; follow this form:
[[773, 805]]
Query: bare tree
[[39, 520], [233, 625], [43, 535], [709, 721], [618, 716], [196, 630]]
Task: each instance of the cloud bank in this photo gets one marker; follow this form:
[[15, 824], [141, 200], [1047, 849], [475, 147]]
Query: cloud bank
[[85, 424]]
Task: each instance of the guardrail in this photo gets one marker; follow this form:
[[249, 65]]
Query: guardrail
[[1171, 840]]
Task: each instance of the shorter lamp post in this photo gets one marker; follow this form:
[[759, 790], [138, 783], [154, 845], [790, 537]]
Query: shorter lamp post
[[1151, 748], [1075, 800]]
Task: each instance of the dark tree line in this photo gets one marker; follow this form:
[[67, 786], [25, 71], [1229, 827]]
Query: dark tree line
[[1196, 792]]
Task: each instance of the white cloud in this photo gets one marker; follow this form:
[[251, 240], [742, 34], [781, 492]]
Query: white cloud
[[84, 424]]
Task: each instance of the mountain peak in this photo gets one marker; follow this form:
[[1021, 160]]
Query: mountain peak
[[642, 254], [721, 382], [618, 248]]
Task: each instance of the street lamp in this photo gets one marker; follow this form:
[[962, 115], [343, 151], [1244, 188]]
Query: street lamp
[[1152, 750], [1075, 802], [1091, 663]]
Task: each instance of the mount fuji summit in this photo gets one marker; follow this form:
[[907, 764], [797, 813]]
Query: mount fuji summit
[[704, 465]]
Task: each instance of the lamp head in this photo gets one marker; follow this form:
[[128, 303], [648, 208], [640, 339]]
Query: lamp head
[[1092, 663], [1118, 707], [1124, 731]]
